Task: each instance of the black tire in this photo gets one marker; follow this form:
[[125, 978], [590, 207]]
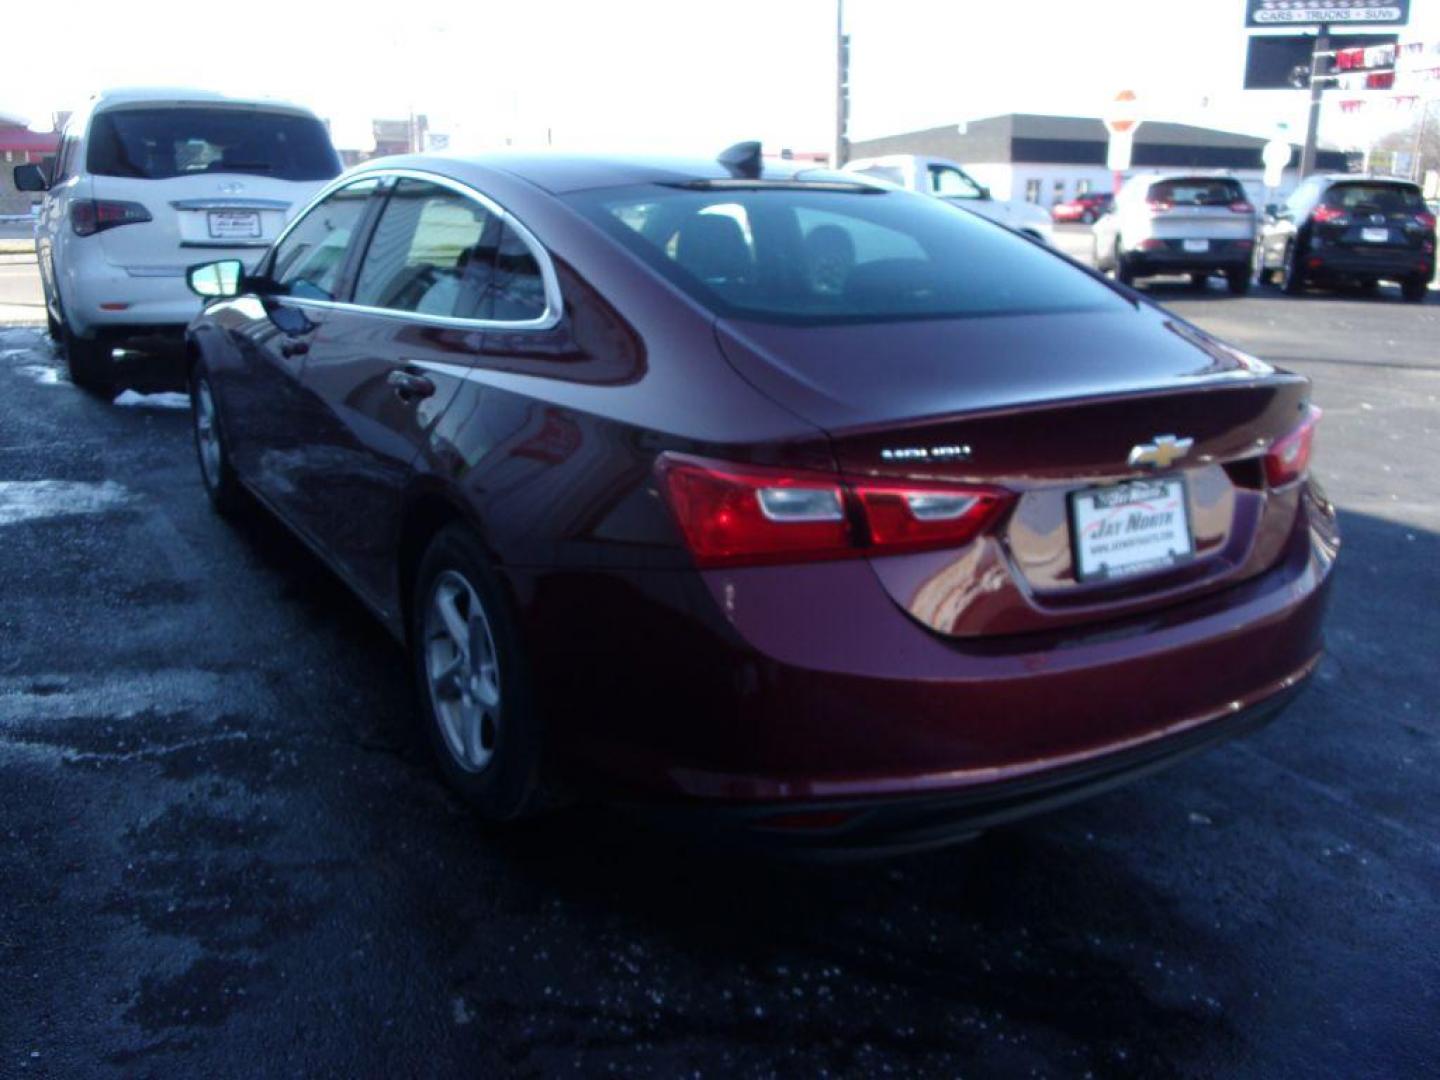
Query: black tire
[[88, 360], [217, 475], [1199, 281], [1237, 281], [510, 783], [1124, 272], [1292, 277], [1414, 289]]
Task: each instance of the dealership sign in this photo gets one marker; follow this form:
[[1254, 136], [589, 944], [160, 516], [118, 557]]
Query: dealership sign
[[1332, 12]]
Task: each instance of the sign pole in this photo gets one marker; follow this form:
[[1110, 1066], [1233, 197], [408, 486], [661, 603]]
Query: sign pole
[[1317, 89]]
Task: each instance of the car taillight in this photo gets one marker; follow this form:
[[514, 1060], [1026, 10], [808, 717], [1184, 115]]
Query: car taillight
[[1289, 456], [1330, 215], [1160, 205], [1240, 206], [732, 515], [90, 216], [1426, 219]]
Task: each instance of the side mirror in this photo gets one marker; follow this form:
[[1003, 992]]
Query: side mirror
[[31, 178], [983, 190], [214, 279]]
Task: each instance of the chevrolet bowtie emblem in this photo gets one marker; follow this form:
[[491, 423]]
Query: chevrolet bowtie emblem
[[1160, 454]]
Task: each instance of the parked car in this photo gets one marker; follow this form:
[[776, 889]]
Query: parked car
[[949, 181], [774, 500], [1087, 208], [1178, 223], [1350, 229], [148, 181]]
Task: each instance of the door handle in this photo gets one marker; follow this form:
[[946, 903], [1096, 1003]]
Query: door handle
[[410, 385], [294, 348]]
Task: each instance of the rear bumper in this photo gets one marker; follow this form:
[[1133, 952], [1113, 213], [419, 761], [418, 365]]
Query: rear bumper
[[99, 295], [1179, 261], [1392, 265], [860, 828], [740, 693]]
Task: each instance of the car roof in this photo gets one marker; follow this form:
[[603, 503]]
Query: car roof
[[122, 96], [562, 173]]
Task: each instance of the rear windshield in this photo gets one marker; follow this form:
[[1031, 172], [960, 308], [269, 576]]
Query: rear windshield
[[1379, 198], [155, 144], [1197, 191], [815, 256]]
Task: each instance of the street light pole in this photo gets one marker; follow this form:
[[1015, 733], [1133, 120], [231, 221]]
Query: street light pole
[[1317, 89], [842, 88]]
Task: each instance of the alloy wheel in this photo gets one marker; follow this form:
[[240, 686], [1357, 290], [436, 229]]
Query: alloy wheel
[[207, 435], [462, 671]]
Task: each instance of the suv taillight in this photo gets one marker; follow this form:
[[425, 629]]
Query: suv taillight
[[1240, 206], [1159, 206], [733, 515], [1330, 215], [90, 216], [1289, 456], [1426, 219]]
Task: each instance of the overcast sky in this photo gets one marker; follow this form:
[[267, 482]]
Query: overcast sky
[[679, 75]]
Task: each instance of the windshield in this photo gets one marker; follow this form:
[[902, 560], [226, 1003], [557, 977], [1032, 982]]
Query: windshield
[[818, 257], [155, 144]]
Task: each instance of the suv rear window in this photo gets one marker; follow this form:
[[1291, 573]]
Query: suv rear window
[[1197, 191], [814, 256], [1380, 198], [156, 144]]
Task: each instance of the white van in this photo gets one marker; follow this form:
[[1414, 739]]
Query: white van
[[148, 182], [946, 180]]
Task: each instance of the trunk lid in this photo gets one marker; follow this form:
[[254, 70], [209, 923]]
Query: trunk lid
[[1044, 406]]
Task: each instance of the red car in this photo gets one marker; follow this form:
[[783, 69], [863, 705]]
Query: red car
[[771, 500], [1087, 208]]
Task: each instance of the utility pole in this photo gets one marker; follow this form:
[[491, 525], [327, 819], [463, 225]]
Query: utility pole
[[842, 88], [1317, 89]]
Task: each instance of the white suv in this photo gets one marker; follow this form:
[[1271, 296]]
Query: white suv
[[148, 182]]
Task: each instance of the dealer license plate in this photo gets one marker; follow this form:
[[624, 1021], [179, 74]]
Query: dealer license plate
[[1130, 528], [234, 224], [1197, 245], [1375, 236]]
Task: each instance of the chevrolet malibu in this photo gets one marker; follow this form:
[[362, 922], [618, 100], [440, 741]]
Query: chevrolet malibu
[[771, 500]]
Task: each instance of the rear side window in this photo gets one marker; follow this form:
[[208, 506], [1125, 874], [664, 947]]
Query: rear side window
[[1199, 191], [160, 143], [819, 256], [309, 259], [1376, 198]]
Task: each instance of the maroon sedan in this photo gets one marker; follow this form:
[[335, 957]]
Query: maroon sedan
[[772, 499], [1087, 208]]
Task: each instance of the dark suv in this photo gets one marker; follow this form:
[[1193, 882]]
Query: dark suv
[[1349, 229]]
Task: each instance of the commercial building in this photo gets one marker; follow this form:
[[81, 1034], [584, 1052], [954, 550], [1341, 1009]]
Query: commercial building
[[1048, 159], [19, 145]]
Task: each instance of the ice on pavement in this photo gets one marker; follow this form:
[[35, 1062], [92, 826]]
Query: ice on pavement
[[29, 500], [168, 399]]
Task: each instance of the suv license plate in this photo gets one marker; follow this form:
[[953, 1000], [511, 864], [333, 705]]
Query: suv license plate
[[1375, 236], [1130, 528], [1197, 245], [234, 224]]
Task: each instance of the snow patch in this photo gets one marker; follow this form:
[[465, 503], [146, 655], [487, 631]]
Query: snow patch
[[43, 374], [30, 500], [168, 399]]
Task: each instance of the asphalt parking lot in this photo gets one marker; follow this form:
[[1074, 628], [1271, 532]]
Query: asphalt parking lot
[[226, 854]]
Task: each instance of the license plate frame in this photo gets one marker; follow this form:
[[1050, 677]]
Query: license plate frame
[[1150, 558], [233, 224], [1195, 247], [1377, 235]]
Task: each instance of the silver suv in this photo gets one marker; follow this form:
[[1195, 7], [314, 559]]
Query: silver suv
[[1179, 223]]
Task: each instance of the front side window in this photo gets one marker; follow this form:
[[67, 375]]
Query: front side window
[[821, 256], [438, 252], [308, 261], [157, 143], [952, 183]]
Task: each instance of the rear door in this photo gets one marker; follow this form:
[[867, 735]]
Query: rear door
[[1372, 217], [216, 179], [1200, 209], [441, 269]]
